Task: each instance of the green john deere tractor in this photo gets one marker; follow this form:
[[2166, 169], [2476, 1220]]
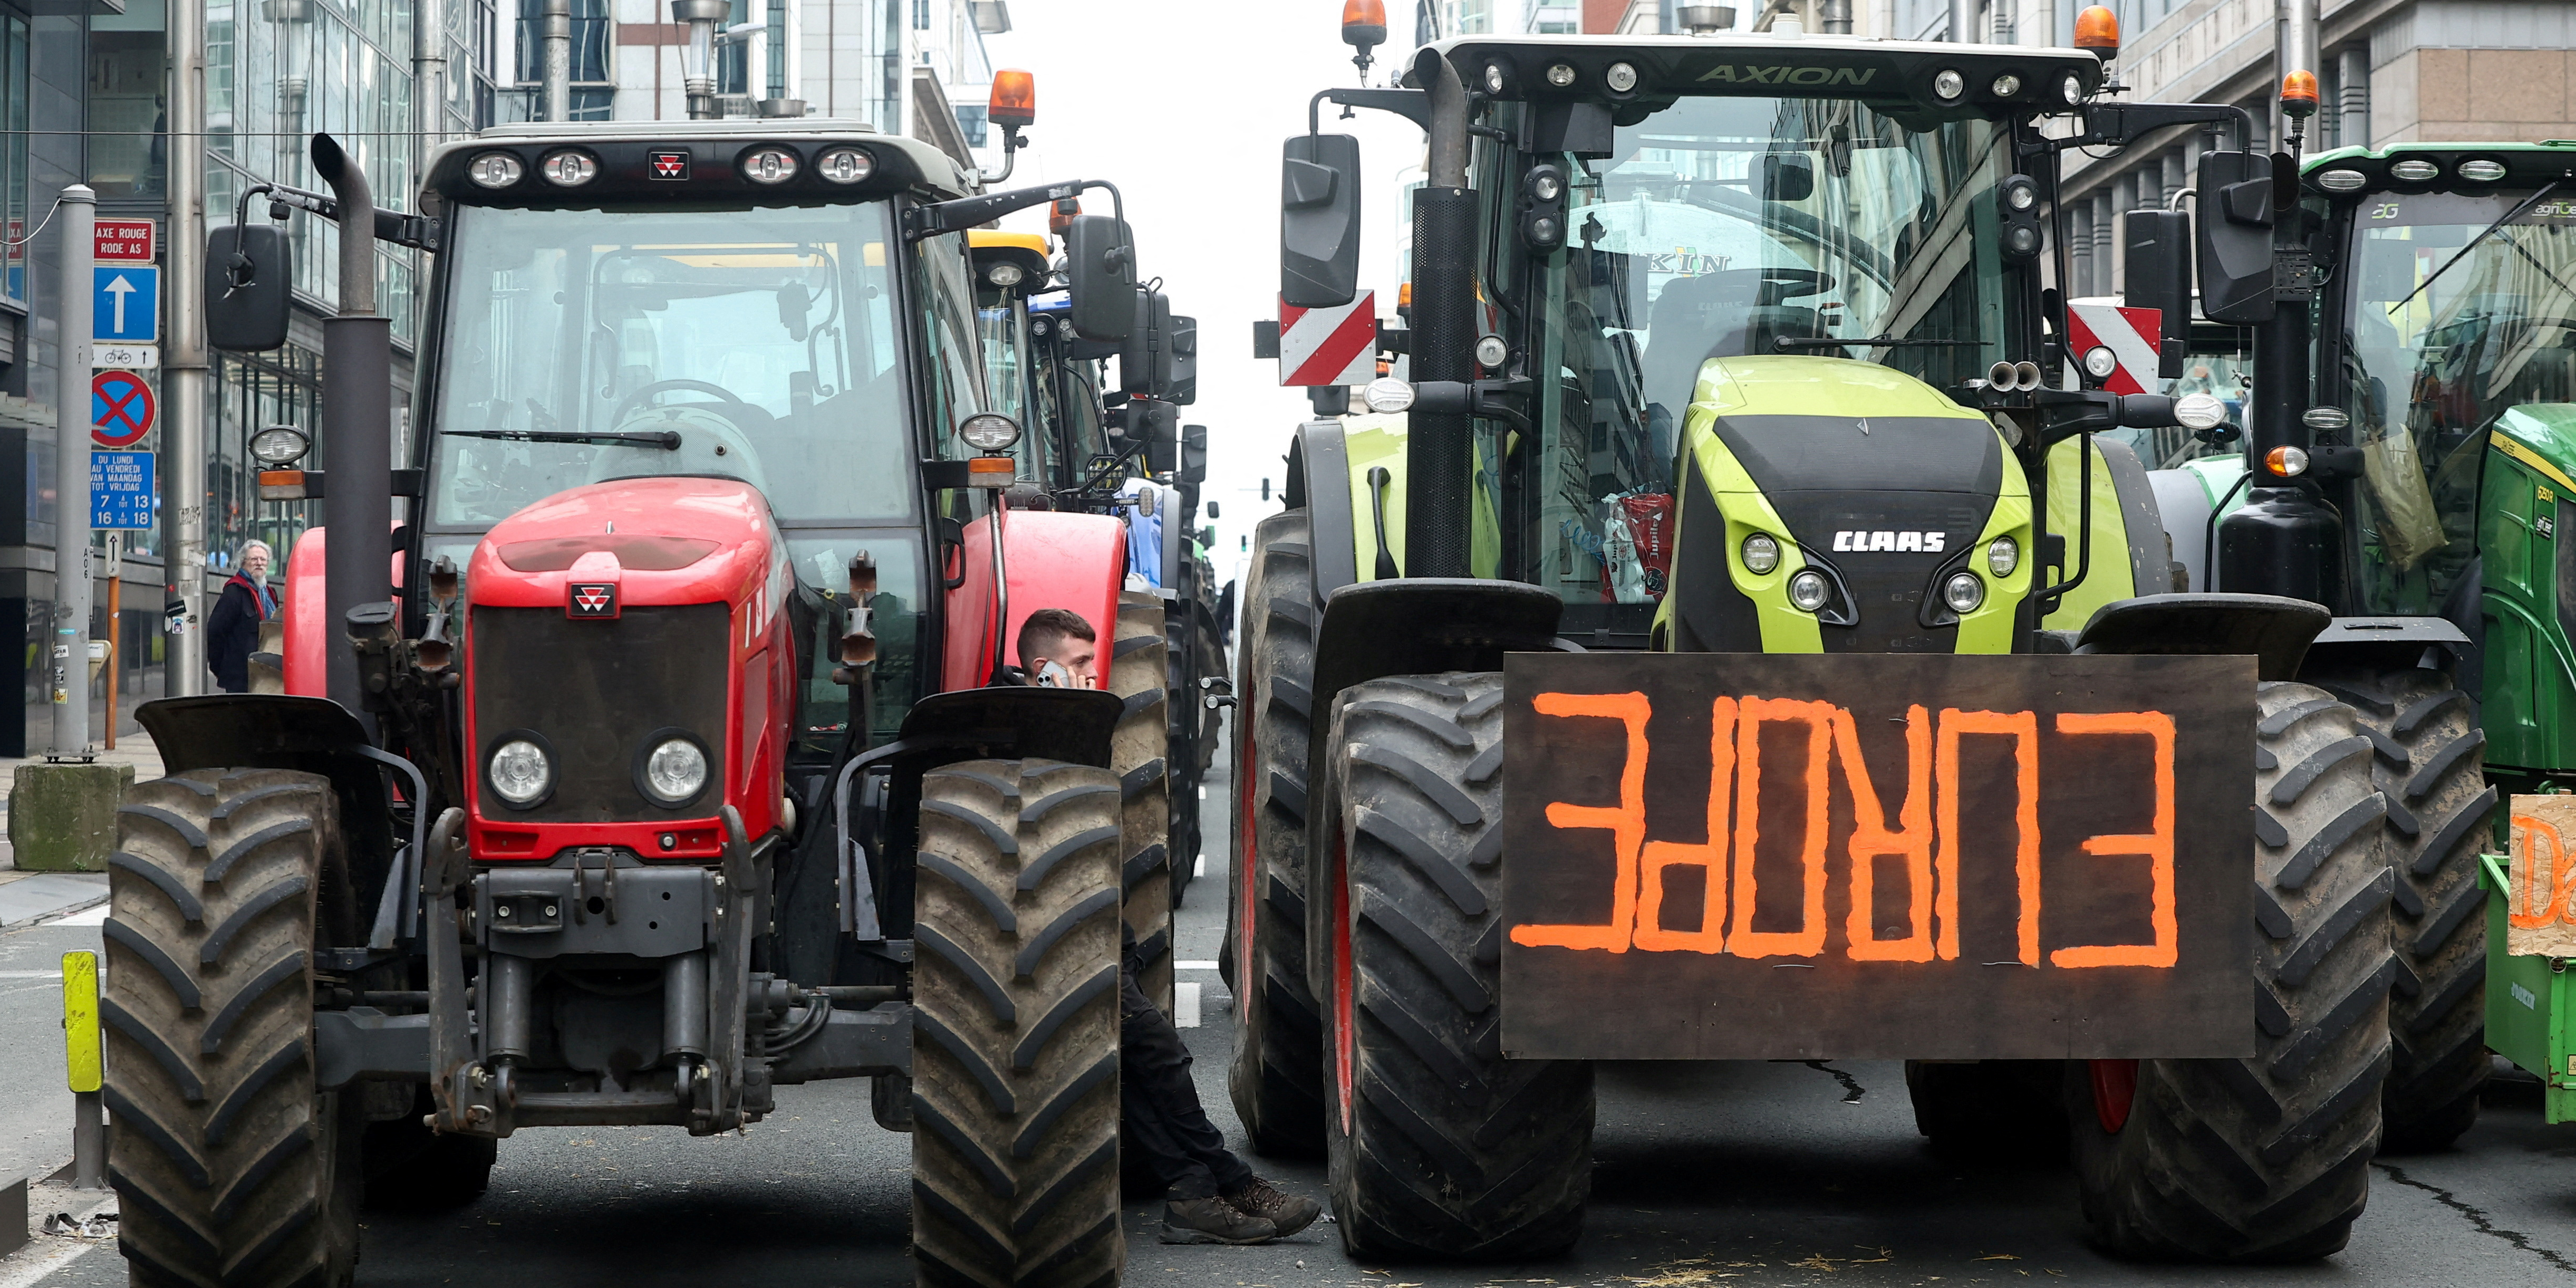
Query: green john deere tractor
[[2446, 395], [1748, 346]]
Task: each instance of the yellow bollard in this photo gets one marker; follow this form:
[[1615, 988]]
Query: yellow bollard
[[84, 1061]]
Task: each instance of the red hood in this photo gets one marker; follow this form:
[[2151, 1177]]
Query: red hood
[[663, 540]]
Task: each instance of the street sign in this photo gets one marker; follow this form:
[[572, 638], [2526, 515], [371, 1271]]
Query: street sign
[[123, 241], [120, 489], [121, 408], [126, 308], [131, 357]]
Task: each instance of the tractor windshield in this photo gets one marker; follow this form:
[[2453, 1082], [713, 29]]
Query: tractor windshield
[[584, 345], [2432, 352], [1719, 227]]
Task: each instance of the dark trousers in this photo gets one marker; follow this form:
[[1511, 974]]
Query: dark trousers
[[1162, 1118]]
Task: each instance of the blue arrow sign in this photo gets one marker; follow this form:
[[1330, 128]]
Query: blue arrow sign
[[120, 489], [126, 307]]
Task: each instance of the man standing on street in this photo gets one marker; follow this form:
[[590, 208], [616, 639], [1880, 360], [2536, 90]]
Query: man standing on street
[[232, 630]]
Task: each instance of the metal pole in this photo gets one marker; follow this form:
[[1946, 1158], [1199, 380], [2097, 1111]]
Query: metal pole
[[1963, 20], [115, 636], [428, 83], [357, 424], [2295, 52], [70, 686], [697, 60], [184, 376], [558, 60]]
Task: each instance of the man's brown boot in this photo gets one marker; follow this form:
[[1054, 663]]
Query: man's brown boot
[[1213, 1220], [1262, 1199]]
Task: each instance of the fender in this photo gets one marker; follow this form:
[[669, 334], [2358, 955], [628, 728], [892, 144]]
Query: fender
[[2276, 630], [1055, 559], [284, 731], [307, 615]]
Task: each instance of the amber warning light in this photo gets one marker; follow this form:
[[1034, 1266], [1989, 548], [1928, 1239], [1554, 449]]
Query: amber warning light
[[2098, 29], [1364, 23], [2299, 94], [1015, 98]]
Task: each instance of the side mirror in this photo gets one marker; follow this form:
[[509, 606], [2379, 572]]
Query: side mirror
[[250, 270], [1214, 513], [1787, 177], [2234, 245], [1184, 350], [1194, 459], [2160, 278], [1154, 423], [1319, 220], [1100, 274], [1145, 362]]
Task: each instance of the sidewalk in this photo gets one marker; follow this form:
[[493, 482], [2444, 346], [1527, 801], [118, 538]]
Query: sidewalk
[[30, 896]]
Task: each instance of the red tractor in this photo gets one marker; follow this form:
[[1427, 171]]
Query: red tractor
[[670, 765]]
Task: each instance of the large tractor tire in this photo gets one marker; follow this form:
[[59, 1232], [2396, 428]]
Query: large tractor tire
[[1015, 1028], [2267, 1159], [1139, 753], [1439, 1147], [1276, 1078], [230, 1165], [2431, 764]]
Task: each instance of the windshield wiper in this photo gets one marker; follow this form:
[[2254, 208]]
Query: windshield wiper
[[2474, 242], [1793, 343], [667, 440]]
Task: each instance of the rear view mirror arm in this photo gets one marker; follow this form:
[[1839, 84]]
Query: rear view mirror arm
[[967, 212], [1411, 104]]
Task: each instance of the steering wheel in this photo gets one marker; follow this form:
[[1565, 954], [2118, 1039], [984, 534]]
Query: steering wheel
[[626, 406]]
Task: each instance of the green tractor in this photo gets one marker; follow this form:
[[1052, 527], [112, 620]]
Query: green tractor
[[1748, 349], [2446, 397]]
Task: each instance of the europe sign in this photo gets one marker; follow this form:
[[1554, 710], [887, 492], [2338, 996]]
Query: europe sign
[[1764, 856]]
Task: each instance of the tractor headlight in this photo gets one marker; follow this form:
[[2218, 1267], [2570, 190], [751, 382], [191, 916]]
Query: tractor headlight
[[769, 166], [2288, 462], [569, 168], [495, 170], [1964, 591], [1387, 395], [279, 446], [521, 773], [2100, 362], [1948, 85], [990, 431], [2199, 411], [2002, 556], [844, 165], [1761, 554], [2416, 170], [1809, 590], [675, 771]]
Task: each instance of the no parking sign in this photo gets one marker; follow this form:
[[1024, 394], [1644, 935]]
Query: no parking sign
[[121, 408]]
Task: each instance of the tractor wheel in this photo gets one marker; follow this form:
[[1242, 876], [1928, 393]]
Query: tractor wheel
[[1181, 724], [1139, 755], [2267, 1159], [230, 1165], [1015, 1027], [1988, 1109], [1439, 1147], [1276, 1077], [2431, 765]]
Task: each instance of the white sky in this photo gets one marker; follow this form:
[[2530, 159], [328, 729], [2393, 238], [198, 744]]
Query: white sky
[[1183, 104]]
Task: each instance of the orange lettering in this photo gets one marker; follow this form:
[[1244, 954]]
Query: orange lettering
[[1709, 856], [2156, 846], [1809, 939], [2023, 726], [2557, 868], [1626, 821], [1871, 838]]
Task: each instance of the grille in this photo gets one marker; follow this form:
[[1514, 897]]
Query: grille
[[595, 691]]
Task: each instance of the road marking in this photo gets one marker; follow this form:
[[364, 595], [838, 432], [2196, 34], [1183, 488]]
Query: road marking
[[1185, 1006], [94, 915], [40, 1266], [1202, 793], [1194, 965], [1198, 866]]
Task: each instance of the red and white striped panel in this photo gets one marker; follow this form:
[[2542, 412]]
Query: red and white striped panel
[[1331, 346], [2136, 335]]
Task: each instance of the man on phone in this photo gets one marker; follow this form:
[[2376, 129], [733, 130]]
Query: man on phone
[[1210, 1195]]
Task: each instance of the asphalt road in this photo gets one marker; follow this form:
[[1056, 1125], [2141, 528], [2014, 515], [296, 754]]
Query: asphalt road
[[1707, 1176]]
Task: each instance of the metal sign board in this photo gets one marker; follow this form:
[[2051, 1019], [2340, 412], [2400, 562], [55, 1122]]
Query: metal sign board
[[126, 307], [120, 489], [1767, 856], [123, 241], [130, 357], [121, 408], [1329, 346], [2132, 336]]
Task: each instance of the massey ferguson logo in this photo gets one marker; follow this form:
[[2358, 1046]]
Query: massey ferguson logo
[[669, 165], [590, 599], [1928, 543]]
